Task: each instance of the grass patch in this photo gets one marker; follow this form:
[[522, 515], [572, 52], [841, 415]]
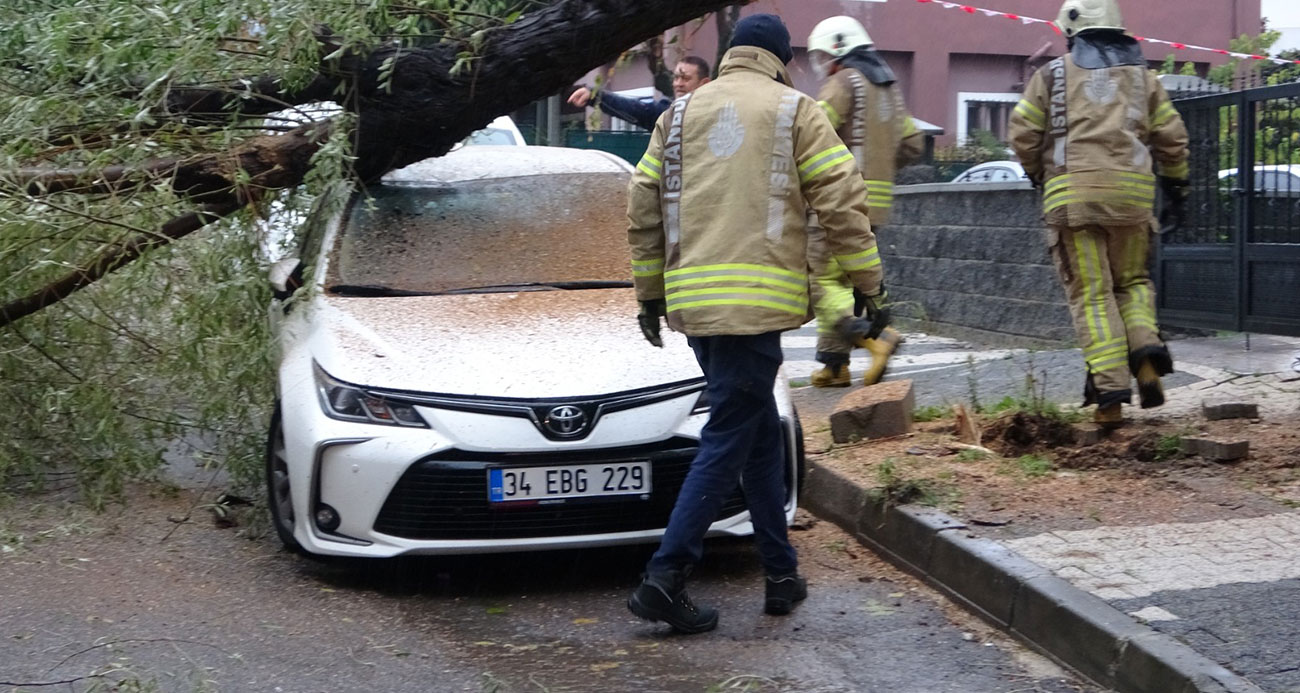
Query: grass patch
[[1038, 407], [1169, 447], [972, 455], [929, 413], [896, 488], [1032, 465]]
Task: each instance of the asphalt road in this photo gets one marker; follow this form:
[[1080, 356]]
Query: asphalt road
[[133, 595]]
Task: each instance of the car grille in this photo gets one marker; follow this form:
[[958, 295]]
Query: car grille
[[444, 496]]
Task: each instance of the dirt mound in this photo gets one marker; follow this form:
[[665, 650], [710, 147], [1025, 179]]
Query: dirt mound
[[1022, 433]]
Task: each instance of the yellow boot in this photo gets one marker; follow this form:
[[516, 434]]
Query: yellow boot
[[880, 348], [1110, 416], [1150, 392], [832, 376]]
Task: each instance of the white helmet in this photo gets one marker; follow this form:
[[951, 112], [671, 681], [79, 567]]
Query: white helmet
[[832, 39], [1080, 15]]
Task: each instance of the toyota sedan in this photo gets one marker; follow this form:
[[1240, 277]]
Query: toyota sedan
[[461, 369]]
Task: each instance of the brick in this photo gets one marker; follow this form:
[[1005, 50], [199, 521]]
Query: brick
[[1219, 410], [1217, 450], [879, 411]]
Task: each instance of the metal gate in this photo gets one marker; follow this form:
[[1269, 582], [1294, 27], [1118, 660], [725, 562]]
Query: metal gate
[[1236, 264]]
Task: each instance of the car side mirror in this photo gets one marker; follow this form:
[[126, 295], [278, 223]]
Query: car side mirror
[[285, 277]]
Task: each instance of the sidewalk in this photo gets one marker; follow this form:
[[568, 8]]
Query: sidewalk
[[1202, 597]]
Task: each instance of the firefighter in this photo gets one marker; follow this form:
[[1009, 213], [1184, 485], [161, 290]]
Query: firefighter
[[1087, 131], [864, 104], [717, 215]]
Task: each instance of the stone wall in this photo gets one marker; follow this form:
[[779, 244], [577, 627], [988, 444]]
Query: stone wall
[[971, 261]]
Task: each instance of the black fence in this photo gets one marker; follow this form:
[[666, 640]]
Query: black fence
[[1236, 264]]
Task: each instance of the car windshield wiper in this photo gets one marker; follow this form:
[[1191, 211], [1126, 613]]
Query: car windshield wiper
[[541, 286], [374, 290]]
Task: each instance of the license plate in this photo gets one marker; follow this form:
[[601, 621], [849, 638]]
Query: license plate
[[569, 481]]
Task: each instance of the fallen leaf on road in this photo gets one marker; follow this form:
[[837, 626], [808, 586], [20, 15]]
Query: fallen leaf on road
[[585, 621]]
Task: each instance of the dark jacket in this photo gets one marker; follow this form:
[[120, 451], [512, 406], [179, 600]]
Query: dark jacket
[[634, 111]]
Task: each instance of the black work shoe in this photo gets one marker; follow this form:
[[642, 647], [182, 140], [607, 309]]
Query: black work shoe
[[1150, 392], [655, 601], [782, 593]]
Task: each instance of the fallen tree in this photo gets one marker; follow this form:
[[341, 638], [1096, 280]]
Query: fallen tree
[[407, 101]]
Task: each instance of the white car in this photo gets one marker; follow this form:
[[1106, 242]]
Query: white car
[[501, 131], [1270, 179], [463, 371], [993, 172]]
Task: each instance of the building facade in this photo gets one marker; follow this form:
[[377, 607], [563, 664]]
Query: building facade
[[962, 70]]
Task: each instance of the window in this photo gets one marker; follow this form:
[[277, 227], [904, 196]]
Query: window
[[984, 111]]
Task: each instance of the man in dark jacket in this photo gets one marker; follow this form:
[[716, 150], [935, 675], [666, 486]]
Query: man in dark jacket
[[690, 74]]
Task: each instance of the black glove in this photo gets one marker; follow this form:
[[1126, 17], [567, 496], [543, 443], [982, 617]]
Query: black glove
[[873, 309], [649, 316], [1173, 210]]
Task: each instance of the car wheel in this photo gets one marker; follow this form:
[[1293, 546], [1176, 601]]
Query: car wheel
[[279, 498]]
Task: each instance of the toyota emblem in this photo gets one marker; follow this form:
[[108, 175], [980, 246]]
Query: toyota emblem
[[566, 420]]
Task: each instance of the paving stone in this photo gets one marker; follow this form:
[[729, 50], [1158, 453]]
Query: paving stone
[[1217, 450], [879, 411], [1217, 410]]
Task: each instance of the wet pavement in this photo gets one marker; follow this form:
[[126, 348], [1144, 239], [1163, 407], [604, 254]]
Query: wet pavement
[[206, 609]]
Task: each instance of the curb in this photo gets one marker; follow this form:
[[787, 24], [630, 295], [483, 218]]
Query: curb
[[1069, 625]]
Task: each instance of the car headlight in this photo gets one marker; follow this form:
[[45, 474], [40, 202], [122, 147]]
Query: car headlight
[[348, 403]]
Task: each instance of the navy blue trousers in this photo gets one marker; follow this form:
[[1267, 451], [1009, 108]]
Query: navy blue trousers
[[740, 443]]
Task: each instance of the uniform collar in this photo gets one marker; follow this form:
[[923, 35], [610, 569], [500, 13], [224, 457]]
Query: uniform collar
[[753, 59]]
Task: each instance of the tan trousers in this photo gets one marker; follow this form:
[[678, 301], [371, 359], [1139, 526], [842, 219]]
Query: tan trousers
[[832, 296], [1112, 298]]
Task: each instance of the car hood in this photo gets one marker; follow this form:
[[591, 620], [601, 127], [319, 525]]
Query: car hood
[[531, 344]]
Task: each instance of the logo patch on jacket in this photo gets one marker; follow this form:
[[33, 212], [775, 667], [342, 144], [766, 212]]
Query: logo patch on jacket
[[1101, 88], [726, 135]]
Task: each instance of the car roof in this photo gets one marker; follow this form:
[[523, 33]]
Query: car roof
[[479, 163]]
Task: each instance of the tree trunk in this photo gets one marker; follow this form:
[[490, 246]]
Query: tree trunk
[[725, 20]]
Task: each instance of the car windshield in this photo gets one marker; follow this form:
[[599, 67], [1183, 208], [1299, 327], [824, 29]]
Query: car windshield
[[531, 232], [491, 136]]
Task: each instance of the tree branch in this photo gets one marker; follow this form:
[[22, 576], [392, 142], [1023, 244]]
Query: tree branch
[[111, 259]]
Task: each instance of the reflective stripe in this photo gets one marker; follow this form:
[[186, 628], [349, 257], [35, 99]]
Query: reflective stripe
[[1129, 188], [1032, 113], [1139, 310], [1163, 114], [703, 270], [647, 268], [880, 193], [859, 261], [909, 127], [829, 110], [1178, 170], [736, 276], [823, 160], [651, 166], [1090, 274], [737, 296]]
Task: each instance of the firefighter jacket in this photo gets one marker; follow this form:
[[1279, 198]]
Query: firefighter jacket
[[1088, 136], [871, 119], [717, 207]]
